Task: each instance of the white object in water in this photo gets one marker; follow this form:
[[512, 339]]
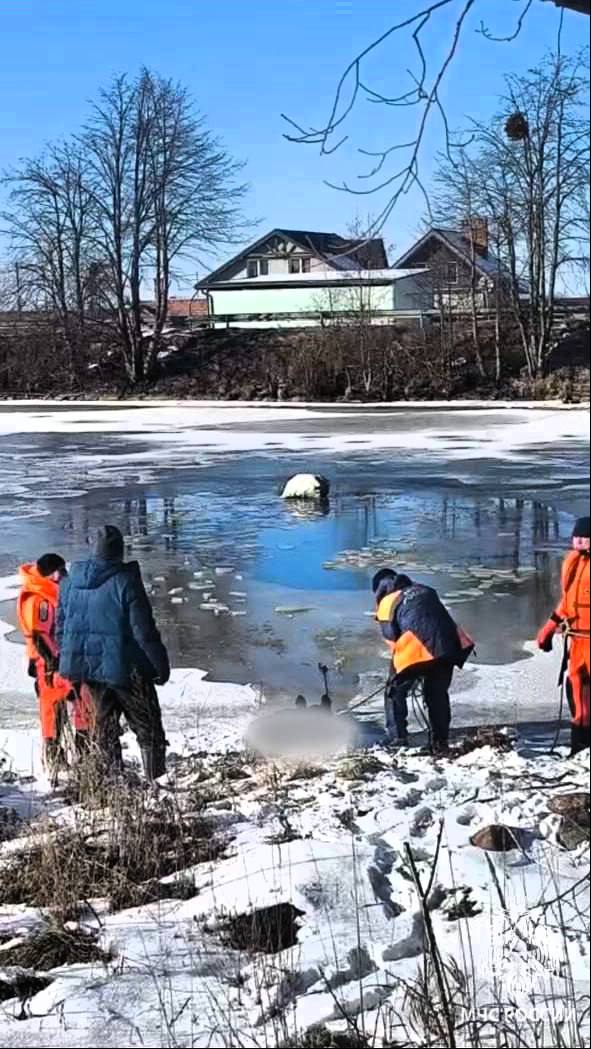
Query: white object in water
[[306, 486]]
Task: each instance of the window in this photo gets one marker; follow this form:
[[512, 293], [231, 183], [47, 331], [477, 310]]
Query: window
[[306, 265], [452, 273], [295, 265], [264, 268], [252, 269]]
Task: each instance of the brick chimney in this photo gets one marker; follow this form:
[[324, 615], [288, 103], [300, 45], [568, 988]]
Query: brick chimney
[[476, 231]]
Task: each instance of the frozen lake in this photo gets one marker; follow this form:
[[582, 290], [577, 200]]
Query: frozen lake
[[479, 504]]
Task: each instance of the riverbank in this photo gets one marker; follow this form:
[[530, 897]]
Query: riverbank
[[303, 908], [347, 407]]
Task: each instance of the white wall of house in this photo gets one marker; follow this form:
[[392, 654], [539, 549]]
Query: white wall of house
[[304, 304]]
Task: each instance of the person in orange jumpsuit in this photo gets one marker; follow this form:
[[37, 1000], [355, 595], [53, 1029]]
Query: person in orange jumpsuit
[[572, 617], [37, 607]]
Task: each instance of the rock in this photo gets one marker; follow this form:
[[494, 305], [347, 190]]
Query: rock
[[497, 839], [575, 811], [306, 486], [576, 807], [571, 835]]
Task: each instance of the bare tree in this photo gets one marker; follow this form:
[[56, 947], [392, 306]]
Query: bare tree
[[528, 171], [396, 170], [197, 193], [162, 188], [48, 223], [459, 205], [9, 287]]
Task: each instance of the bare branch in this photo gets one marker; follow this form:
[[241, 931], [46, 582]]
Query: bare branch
[[353, 71], [512, 36]]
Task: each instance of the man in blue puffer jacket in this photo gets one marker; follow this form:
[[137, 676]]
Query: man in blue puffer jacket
[[109, 643]]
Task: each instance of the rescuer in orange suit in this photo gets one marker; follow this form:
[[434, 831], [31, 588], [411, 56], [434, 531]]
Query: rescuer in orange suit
[[572, 617], [426, 644], [37, 607]]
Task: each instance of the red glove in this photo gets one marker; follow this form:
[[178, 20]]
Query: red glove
[[546, 636]]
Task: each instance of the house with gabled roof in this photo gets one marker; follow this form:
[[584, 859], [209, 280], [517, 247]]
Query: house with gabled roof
[[460, 262], [300, 278]]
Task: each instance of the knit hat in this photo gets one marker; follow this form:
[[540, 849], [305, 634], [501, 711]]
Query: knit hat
[[109, 545], [582, 529]]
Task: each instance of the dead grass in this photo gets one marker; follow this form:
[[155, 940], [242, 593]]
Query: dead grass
[[321, 1038], [480, 738], [52, 948], [361, 767], [120, 853], [10, 824]]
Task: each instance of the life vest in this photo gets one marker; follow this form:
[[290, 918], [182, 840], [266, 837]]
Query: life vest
[[36, 610], [575, 606], [424, 632]]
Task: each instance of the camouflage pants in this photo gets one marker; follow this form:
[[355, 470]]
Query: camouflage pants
[[140, 706]]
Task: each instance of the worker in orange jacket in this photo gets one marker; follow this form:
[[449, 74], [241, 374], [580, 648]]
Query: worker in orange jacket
[[427, 645], [37, 608], [572, 617]]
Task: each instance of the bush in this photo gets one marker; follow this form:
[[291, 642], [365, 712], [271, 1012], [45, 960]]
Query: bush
[[120, 853], [52, 948]]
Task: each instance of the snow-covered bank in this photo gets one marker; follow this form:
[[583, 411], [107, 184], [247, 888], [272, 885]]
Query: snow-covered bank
[[326, 847], [319, 851], [344, 407]]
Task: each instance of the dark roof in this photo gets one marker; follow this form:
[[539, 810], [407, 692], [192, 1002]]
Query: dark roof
[[340, 253], [458, 243]]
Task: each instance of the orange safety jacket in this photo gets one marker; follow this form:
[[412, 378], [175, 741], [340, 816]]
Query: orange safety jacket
[[36, 610], [574, 609], [420, 631]]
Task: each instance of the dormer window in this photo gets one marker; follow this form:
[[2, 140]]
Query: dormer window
[[252, 269], [264, 268], [300, 265]]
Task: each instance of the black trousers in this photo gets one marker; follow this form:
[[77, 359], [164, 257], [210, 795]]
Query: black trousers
[[435, 681], [140, 706], [580, 734]]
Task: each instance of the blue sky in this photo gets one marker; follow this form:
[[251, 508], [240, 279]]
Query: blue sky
[[246, 63]]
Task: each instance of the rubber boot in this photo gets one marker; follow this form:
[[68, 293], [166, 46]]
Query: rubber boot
[[581, 739], [154, 762]]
